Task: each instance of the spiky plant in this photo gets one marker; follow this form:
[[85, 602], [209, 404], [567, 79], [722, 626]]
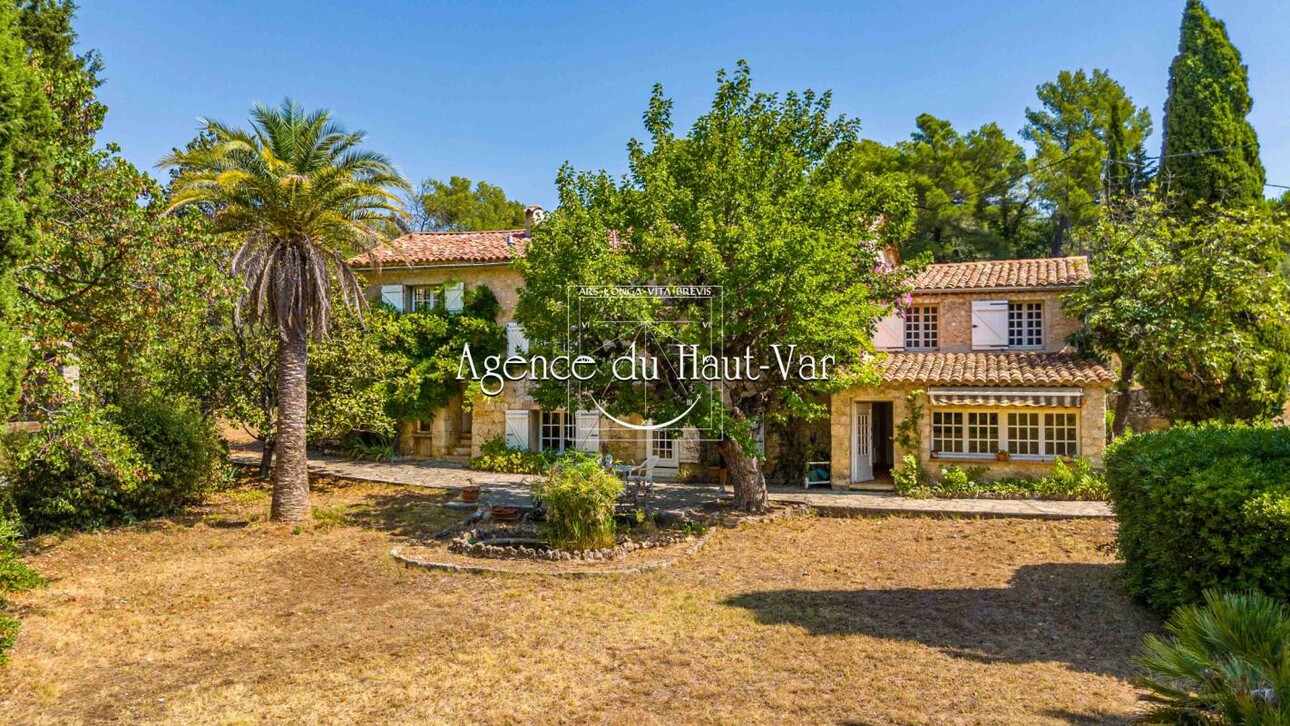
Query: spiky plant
[[301, 196], [1227, 662]]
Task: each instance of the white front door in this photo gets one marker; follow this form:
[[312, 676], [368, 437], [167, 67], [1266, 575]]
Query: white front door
[[862, 443]]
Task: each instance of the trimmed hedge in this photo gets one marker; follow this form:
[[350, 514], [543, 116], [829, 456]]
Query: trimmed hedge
[[1202, 508]]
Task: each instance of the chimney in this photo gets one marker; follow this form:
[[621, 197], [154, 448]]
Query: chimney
[[533, 215]]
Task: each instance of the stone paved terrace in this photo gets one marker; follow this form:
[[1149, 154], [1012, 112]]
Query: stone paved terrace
[[513, 490]]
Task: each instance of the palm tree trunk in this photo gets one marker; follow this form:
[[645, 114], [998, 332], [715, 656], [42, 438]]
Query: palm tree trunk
[[291, 471], [745, 477]]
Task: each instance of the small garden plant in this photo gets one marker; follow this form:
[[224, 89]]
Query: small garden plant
[[579, 497], [496, 456], [1073, 482], [1226, 662]]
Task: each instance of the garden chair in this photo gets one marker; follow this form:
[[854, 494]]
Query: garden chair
[[640, 480]]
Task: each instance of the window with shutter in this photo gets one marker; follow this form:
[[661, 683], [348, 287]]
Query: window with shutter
[[890, 334], [516, 341], [454, 297], [392, 295], [989, 324]]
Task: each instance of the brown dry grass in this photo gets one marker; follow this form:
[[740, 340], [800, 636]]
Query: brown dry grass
[[218, 618]]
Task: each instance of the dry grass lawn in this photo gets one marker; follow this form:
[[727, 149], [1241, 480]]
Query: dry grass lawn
[[222, 618]]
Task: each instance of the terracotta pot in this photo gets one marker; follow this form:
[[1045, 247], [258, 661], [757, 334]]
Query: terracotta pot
[[470, 494], [1002, 456], [506, 514]]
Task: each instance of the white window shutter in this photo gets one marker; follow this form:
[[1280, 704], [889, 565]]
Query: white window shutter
[[989, 324], [516, 342], [453, 297], [392, 295], [588, 434], [517, 429], [890, 334]]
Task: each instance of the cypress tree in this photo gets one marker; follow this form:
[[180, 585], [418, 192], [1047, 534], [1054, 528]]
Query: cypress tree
[[1210, 152], [26, 127]]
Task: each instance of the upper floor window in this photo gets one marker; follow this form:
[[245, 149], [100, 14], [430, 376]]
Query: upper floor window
[[1025, 325], [921, 328], [422, 298]]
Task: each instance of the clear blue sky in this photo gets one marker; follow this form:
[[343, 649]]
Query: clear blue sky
[[507, 92]]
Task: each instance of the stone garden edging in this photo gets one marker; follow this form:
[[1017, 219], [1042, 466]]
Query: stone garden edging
[[497, 567]]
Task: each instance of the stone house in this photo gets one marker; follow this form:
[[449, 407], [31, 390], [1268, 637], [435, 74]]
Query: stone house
[[983, 345], [982, 352]]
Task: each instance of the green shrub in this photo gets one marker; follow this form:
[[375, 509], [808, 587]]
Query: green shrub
[[358, 447], [91, 466], [15, 576], [579, 497], [1227, 662], [181, 447], [910, 478], [495, 456], [80, 471], [1076, 482], [1202, 508]]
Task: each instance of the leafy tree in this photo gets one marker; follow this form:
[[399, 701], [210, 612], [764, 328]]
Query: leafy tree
[[1210, 152], [26, 123], [747, 201], [972, 199], [1073, 132], [456, 206], [1193, 309], [301, 195], [349, 382]]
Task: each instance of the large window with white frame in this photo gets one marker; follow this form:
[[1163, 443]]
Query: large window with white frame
[[1023, 433], [983, 432], [1025, 324], [1061, 434], [921, 328], [556, 431], [422, 298]]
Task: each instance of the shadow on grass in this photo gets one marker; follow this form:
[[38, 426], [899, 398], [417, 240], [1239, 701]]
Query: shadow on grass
[[1077, 614], [412, 515]]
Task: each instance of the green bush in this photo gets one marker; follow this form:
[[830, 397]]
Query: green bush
[[181, 447], [91, 466], [1202, 508], [15, 576], [495, 456], [579, 497], [1075, 482], [1225, 663], [910, 478]]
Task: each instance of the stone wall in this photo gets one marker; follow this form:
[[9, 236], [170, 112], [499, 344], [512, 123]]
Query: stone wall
[[502, 279], [954, 317], [1092, 416]]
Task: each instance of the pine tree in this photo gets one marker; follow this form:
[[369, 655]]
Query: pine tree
[[1210, 152]]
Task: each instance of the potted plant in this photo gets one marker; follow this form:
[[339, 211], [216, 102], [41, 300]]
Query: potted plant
[[1002, 455]]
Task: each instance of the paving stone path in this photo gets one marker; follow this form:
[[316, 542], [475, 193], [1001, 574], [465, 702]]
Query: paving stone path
[[513, 490]]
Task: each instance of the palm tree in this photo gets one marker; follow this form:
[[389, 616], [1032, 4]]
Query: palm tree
[[301, 196]]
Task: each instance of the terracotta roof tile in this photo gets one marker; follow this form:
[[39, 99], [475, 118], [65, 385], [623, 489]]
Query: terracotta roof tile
[[1048, 272], [439, 248], [994, 369]]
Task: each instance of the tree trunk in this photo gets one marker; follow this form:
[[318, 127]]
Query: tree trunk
[[1059, 236], [1122, 402], [291, 472], [266, 458], [745, 476]]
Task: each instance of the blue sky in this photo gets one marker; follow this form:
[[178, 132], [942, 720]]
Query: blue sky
[[507, 92]]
